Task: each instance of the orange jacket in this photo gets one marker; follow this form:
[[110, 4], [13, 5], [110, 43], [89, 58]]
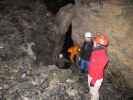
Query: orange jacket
[[74, 50]]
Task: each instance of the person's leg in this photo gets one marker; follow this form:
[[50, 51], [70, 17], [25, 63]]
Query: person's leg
[[94, 91], [82, 64], [86, 65]]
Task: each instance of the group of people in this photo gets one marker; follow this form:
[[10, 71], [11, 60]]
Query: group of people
[[93, 59]]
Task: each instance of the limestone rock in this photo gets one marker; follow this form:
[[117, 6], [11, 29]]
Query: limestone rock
[[115, 19]]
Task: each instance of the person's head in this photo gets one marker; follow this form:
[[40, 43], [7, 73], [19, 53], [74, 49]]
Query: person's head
[[88, 36], [101, 40]]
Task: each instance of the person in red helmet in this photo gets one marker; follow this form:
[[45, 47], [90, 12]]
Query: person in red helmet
[[98, 62]]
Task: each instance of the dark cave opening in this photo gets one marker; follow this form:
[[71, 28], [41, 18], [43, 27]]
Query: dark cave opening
[[64, 61], [54, 5], [68, 42]]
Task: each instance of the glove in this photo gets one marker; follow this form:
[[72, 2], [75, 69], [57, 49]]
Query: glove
[[79, 58], [60, 55], [91, 84]]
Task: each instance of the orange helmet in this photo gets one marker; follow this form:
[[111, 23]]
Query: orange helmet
[[102, 39]]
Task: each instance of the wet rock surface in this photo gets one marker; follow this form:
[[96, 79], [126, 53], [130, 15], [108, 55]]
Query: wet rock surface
[[115, 19], [28, 82], [39, 82], [28, 31], [29, 42]]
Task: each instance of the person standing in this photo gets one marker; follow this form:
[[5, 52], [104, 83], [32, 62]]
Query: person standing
[[86, 50], [98, 62]]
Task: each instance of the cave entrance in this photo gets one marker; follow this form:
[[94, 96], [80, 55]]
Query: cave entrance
[[64, 61], [68, 42]]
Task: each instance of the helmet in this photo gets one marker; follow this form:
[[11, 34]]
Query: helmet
[[102, 39], [88, 35]]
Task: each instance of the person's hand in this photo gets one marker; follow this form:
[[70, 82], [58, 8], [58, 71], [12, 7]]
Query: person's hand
[[91, 84], [79, 58], [60, 55]]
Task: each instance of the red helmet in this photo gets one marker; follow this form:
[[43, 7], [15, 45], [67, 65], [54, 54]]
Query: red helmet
[[102, 39]]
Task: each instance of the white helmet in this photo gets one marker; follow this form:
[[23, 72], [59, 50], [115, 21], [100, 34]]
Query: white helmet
[[88, 35]]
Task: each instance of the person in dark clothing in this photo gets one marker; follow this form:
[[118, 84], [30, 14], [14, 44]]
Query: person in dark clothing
[[85, 53], [68, 42], [64, 60]]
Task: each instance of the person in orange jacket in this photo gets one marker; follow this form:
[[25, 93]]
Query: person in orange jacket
[[73, 51], [98, 62]]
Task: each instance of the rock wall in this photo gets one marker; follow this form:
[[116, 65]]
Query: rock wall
[[21, 25], [115, 19]]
